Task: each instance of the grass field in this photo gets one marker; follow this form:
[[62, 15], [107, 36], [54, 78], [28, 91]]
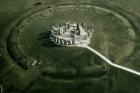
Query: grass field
[[23, 29]]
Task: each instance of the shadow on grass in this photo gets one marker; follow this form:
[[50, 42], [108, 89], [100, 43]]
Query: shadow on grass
[[45, 40]]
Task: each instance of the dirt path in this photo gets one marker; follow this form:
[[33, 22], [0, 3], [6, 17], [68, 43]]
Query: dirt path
[[110, 62]]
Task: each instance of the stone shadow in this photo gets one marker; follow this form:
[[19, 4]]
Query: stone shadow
[[45, 40]]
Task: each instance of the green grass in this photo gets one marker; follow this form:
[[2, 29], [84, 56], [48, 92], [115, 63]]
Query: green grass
[[111, 38]]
